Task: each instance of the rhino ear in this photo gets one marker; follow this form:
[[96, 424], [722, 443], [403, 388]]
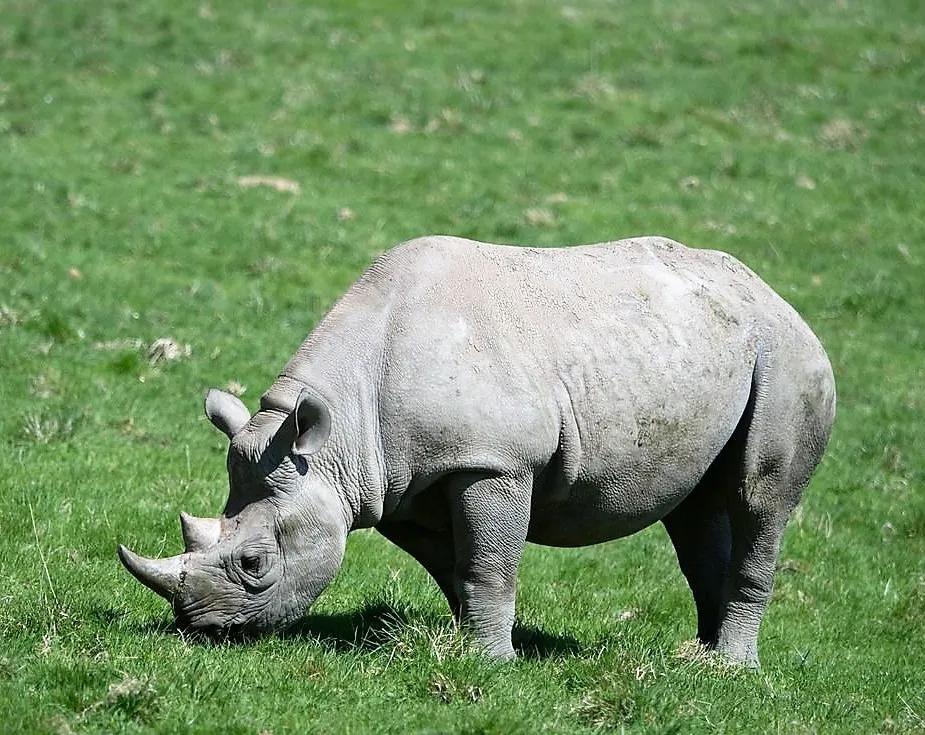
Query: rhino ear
[[312, 423], [226, 412]]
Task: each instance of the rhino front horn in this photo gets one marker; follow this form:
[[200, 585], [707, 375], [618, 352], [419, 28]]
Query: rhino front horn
[[160, 575], [199, 533]]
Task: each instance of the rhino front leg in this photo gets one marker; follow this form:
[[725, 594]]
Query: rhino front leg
[[490, 520], [433, 550]]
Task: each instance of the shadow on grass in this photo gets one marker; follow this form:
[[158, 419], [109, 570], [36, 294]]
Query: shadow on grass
[[366, 629], [536, 643], [111, 617], [165, 626], [374, 626]]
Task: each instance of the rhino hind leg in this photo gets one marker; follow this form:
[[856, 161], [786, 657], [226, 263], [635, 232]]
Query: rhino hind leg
[[432, 549], [779, 442], [701, 532], [699, 529]]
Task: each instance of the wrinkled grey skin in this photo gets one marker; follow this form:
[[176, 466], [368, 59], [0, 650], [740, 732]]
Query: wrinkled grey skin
[[465, 398]]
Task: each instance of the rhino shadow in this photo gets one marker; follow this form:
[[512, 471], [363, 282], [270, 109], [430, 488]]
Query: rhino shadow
[[374, 626], [366, 629], [535, 643]]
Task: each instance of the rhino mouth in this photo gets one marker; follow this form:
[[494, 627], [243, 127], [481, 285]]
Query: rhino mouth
[[197, 621], [239, 633]]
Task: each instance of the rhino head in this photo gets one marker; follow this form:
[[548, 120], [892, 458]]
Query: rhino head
[[279, 541]]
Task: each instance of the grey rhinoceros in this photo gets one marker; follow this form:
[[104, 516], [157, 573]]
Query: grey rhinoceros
[[464, 398]]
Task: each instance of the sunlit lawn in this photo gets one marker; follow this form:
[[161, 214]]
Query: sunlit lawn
[[790, 134]]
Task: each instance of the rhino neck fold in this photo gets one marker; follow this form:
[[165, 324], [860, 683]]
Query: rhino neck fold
[[350, 462]]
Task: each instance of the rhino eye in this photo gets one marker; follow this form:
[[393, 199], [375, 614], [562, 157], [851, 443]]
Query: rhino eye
[[253, 566], [250, 563]]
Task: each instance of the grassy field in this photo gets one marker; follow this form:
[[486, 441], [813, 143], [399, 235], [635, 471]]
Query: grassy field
[[788, 133]]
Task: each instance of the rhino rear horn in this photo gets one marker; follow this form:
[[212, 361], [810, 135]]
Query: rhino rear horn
[[199, 533], [226, 412]]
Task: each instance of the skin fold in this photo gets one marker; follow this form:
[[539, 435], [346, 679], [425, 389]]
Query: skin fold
[[466, 398]]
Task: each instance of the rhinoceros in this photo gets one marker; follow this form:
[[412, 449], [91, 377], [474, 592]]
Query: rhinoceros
[[465, 398]]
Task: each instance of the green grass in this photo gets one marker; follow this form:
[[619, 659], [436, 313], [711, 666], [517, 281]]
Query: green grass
[[788, 133]]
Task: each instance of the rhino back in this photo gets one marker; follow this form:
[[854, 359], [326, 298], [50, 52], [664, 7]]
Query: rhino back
[[624, 366]]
